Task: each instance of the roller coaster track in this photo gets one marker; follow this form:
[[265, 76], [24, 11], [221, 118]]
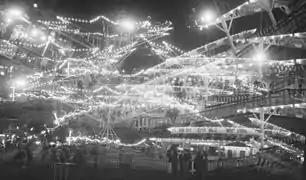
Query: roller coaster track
[[237, 102], [293, 22], [249, 8], [290, 24], [17, 60], [256, 161], [282, 97]]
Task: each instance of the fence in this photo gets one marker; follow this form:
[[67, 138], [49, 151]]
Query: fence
[[162, 165], [262, 162]]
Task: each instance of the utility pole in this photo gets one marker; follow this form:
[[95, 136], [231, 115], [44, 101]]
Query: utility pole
[[304, 164]]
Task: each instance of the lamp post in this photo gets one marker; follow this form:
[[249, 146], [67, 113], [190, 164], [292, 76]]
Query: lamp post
[[69, 138], [13, 95], [260, 56], [304, 164], [20, 83]]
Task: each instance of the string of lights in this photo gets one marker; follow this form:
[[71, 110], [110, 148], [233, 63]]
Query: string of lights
[[85, 72]]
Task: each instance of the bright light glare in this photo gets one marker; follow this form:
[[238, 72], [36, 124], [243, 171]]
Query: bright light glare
[[260, 56], [128, 25], [20, 83], [43, 38], [35, 5], [15, 12], [9, 20], [208, 16], [34, 32]]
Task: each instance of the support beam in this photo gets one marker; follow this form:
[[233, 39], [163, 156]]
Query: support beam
[[226, 28], [263, 123], [268, 7], [272, 17], [108, 131], [262, 120]]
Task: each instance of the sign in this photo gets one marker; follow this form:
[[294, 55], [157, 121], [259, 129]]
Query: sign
[[213, 130]]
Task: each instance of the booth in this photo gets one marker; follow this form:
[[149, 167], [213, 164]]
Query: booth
[[236, 149]]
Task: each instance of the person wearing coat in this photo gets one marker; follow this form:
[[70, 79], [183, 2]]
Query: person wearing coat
[[201, 164], [205, 170], [184, 160], [173, 159], [94, 153], [182, 163]]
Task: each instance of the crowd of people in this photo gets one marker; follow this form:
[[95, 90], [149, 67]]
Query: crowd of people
[[181, 163], [23, 153]]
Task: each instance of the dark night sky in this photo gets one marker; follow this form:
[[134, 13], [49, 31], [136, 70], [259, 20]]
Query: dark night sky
[[177, 11]]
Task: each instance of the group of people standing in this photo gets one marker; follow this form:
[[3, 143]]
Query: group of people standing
[[24, 154], [181, 163], [48, 154]]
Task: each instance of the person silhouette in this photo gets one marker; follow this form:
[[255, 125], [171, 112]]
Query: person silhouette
[[173, 159]]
